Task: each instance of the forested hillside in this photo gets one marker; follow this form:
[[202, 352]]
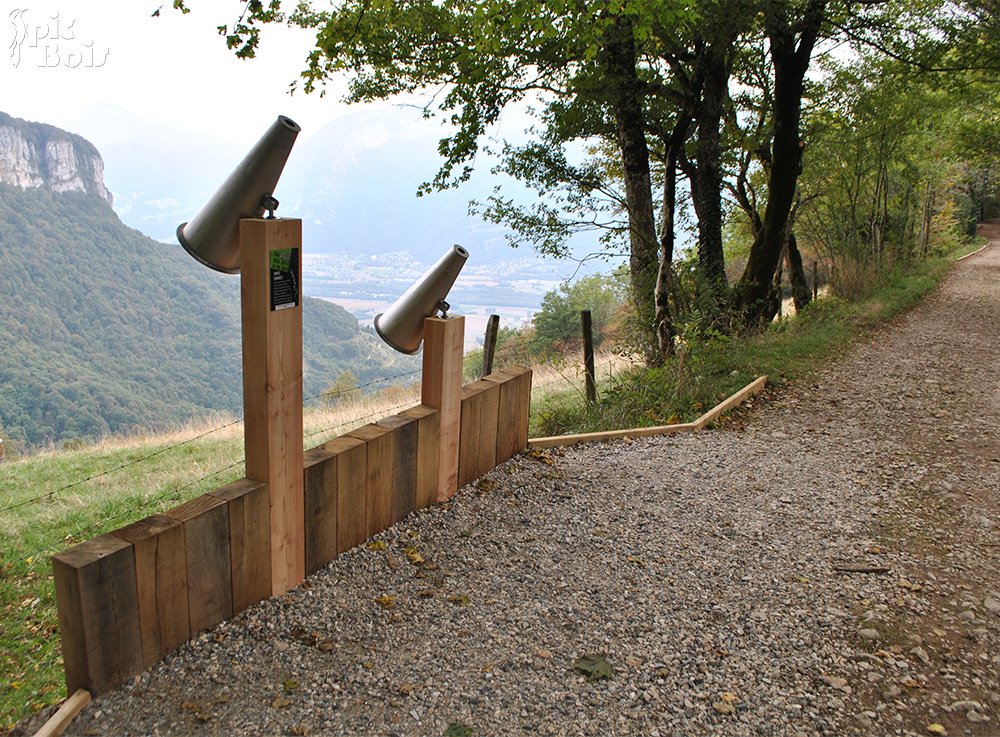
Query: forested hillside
[[104, 330]]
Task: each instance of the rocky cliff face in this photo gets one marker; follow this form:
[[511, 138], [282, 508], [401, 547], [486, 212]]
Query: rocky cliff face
[[38, 155]]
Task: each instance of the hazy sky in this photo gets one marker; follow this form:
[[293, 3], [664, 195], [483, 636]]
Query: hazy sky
[[60, 59]]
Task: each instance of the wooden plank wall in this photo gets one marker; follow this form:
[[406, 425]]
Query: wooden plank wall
[[128, 598]]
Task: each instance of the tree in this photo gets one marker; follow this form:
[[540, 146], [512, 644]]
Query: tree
[[558, 320]]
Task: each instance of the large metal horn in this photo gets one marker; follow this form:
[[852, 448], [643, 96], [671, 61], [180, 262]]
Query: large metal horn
[[402, 325], [213, 235]]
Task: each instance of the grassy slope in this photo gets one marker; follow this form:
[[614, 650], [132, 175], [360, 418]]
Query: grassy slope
[[29, 643]]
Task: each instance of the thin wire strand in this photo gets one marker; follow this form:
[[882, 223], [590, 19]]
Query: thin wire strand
[[339, 392], [109, 471]]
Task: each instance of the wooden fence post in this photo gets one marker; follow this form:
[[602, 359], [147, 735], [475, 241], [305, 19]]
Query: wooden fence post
[[441, 388], [489, 348], [588, 355], [272, 384], [815, 282]]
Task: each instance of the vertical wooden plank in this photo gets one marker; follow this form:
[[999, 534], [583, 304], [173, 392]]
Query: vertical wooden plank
[[352, 490], [320, 488], [428, 437], [509, 413], [249, 508], [468, 445], [379, 441], [206, 545], [589, 375], [404, 464], [161, 584], [522, 406], [488, 423], [441, 388], [98, 613], [272, 392]]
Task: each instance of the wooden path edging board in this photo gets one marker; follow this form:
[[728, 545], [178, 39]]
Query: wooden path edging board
[[978, 250], [556, 441], [65, 714]]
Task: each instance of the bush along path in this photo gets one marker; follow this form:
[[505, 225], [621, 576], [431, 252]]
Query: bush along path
[[825, 564]]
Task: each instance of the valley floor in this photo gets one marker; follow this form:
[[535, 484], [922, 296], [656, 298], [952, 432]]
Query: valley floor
[[824, 564]]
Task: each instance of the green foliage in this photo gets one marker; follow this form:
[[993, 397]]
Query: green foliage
[[106, 331], [595, 667], [557, 323], [340, 388]]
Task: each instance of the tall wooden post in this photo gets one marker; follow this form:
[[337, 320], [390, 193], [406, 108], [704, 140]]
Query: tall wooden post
[[489, 345], [272, 384], [815, 282], [587, 323], [441, 388]]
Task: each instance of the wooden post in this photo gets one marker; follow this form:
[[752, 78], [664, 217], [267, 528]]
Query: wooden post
[[815, 282], [441, 388], [588, 355], [489, 346], [272, 384]]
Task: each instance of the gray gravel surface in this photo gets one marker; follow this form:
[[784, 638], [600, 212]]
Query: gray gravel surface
[[701, 567]]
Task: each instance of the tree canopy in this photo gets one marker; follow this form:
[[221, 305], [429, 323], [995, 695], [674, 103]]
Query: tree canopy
[[643, 108]]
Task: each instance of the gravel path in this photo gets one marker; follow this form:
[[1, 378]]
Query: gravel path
[[701, 567]]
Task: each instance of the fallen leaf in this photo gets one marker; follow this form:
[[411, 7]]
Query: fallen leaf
[[457, 729], [637, 560], [325, 645], [414, 556], [386, 602], [290, 685], [406, 688], [485, 484], [377, 545], [595, 667], [459, 599], [301, 729], [544, 654], [937, 729], [724, 708], [280, 702], [729, 697]]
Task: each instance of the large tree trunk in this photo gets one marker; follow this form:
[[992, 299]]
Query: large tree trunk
[[627, 105], [706, 187], [790, 61], [801, 293], [665, 329]]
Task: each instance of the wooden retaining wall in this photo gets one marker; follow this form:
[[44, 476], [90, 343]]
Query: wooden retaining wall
[[129, 597]]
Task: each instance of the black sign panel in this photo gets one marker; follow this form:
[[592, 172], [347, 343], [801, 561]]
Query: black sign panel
[[284, 278]]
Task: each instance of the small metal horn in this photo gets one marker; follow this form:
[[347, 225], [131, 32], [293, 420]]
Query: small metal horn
[[213, 235], [402, 325]]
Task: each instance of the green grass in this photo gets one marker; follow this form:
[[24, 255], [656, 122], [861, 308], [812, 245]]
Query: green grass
[[708, 370], [31, 661]]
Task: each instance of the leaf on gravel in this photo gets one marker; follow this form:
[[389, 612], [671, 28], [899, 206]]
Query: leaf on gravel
[[385, 601], [406, 688], [377, 545], [301, 729], [937, 729], [459, 600], [426, 593], [485, 484], [595, 667], [723, 708], [542, 455], [199, 711], [637, 560], [728, 697], [414, 556], [280, 702], [457, 729], [324, 645], [290, 685]]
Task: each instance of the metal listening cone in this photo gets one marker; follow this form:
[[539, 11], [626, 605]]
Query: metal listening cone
[[402, 325], [213, 235]]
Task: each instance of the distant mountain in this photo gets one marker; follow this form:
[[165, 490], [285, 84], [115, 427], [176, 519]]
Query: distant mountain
[[103, 329]]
